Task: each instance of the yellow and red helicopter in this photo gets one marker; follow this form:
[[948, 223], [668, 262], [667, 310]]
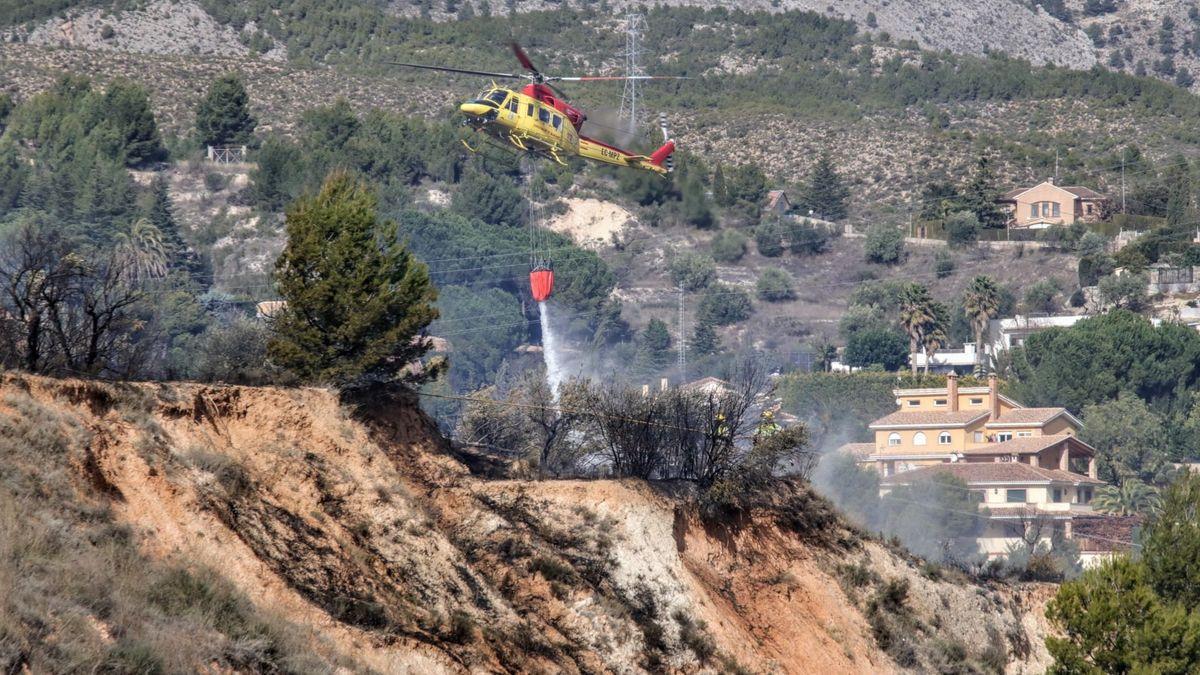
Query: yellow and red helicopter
[[537, 119]]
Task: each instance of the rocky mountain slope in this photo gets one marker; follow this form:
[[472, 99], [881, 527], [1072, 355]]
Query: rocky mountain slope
[[1018, 28], [358, 530]]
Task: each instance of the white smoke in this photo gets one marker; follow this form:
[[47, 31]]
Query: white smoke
[[550, 351]]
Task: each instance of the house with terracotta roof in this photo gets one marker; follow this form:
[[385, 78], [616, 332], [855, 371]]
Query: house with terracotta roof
[[1026, 464], [1047, 204]]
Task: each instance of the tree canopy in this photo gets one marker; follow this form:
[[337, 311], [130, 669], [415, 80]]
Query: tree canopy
[[357, 301], [223, 115]]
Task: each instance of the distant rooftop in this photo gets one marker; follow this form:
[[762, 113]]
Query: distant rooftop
[[991, 472]]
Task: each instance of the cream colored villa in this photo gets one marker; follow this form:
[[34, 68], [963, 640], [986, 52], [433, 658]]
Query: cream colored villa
[[1026, 464], [1047, 204]]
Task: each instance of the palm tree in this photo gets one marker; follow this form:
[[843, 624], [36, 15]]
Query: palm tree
[[916, 315], [143, 251], [981, 303], [934, 337], [1132, 497]]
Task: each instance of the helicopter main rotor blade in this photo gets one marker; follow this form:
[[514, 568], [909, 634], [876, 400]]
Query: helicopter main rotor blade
[[525, 60], [446, 69], [595, 78]]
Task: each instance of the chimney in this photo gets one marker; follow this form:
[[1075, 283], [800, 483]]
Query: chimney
[[952, 391], [994, 396]]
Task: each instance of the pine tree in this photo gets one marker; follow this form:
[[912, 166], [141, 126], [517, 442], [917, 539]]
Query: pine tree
[[980, 195], [356, 299], [654, 348], [825, 193], [223, 116], [160, 213], [611, 328], [704, 339]]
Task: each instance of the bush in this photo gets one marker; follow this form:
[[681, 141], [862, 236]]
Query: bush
[[768, 238], [723, 304], [884, 245], [1042, 296], [775, 285], [943, 264], [1127, 291], [962, 229], [877, 347], [728, 246], [215, 181], [806, 237], [693, 271]]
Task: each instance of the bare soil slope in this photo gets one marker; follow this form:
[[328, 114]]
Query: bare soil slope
[[362, 528]]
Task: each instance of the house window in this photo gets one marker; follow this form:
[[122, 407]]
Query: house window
[[978, 436], [1033, 210], [919, 438], [1088, 209], [1085, 495], [1003, 436], [976, 401], [914, 401], [944, 438], [1054, 209], [894, 439], [1024, 434], [1056, 495], [1015, 497], [939, 401]]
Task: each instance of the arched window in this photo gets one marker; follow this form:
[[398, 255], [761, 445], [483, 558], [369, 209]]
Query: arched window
[[894, 439], [944, 438], [919, 438]]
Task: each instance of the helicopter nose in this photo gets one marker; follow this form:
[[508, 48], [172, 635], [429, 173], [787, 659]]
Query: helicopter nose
[[476, 109]]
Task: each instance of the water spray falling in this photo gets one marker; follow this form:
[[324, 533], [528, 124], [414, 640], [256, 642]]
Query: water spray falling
[[554, 369]]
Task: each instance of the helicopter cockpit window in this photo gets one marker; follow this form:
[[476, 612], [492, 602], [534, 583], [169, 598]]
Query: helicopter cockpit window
[[498, 96], [557, 122], [544, 115]]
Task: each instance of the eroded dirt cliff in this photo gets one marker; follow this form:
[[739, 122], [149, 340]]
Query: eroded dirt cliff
[[360, 528]]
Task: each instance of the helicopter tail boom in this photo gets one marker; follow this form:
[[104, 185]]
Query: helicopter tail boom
[[590, 148]]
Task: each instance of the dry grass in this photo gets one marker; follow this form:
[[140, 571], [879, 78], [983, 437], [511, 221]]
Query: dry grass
[[81, 598]]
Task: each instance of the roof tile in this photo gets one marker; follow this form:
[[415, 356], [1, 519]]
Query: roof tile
[[1026, 445], [989, 472], [939, 418], [1028, 416]]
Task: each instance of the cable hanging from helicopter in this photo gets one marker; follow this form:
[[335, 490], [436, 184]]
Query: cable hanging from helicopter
[[541, 273]]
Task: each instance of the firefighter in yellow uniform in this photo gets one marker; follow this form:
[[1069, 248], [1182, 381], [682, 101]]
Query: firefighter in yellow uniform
[[767, 426]]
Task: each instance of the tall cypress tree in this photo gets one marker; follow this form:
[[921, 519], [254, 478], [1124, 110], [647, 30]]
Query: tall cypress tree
[[654, 350], [720, 187], [825, 193], [980, 195], [223, 116], [1178, 182], [704, 339], [357, 300]]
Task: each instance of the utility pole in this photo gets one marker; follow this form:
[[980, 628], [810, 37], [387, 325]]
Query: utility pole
[[682, 341], [635, 25]]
